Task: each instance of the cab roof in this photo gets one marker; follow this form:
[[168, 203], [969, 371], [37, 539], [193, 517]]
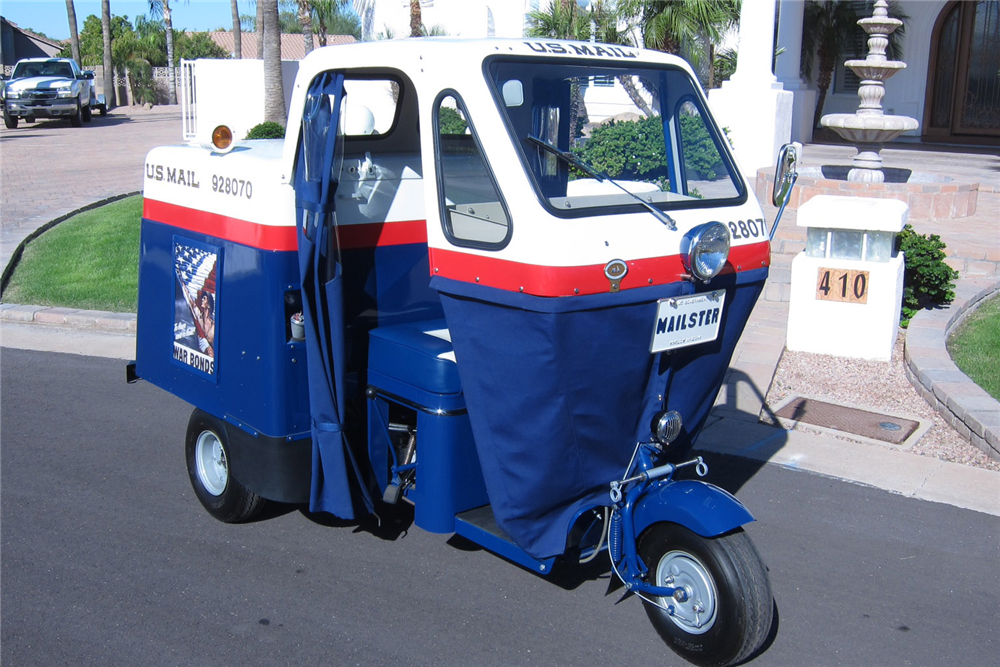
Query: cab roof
[[427, 59]]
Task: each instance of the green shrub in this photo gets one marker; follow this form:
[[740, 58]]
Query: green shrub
[[267, 130], [700, 153], [633, 149], [627, 148], [450, 121], [927, 280]]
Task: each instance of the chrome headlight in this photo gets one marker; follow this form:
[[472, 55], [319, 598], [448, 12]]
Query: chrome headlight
[[666, 426], [705, 250], [65, 92], [12, 94]]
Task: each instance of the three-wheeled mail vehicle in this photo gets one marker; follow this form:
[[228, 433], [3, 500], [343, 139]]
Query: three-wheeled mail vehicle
[[499, 280]]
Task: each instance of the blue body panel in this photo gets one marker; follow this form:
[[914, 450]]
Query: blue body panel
[[701, 508], [259, 378], [259, 381]]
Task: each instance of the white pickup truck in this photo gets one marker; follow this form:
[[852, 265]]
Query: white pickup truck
[[50, 88]]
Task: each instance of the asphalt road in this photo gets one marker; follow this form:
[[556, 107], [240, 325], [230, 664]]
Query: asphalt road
[[108, 559]]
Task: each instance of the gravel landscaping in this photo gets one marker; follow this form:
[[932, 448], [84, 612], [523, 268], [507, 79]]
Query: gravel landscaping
[[873, 385]]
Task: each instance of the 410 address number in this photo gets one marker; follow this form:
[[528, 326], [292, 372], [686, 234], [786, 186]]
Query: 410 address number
[[846, 285]]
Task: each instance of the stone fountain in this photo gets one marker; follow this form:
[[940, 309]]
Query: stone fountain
[[869, 128]]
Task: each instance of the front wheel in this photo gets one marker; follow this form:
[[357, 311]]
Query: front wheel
[[208, 462], [9, 121], [723, 609], [76, 120]]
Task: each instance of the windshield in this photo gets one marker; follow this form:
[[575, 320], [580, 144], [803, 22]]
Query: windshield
[[25, 70], [645, 128]]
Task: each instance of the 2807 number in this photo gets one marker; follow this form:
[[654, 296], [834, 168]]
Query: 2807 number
[[237, 187], [747, 229]]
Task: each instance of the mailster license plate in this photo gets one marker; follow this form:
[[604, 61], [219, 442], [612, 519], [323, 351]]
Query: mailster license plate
[[687, 320]]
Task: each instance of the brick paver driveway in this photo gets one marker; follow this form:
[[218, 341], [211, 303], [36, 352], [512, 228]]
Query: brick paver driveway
[[50, 168]]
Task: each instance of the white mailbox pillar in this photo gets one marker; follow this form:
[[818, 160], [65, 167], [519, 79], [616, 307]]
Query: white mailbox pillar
[[848, 283]]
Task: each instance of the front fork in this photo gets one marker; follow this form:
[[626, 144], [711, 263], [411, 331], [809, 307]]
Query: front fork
[[641, 477]]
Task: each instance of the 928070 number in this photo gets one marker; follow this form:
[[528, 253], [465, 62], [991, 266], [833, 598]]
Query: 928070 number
[[236, 187]]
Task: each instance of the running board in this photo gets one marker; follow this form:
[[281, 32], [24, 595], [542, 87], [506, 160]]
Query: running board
[[481, 527]]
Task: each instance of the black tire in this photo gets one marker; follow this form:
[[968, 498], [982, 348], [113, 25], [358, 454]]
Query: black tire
[[104, 109], [76, 120], [10, 122], [728, 613], [87, 113], [207, 449]]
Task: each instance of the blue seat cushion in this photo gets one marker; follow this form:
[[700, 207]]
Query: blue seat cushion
[[418, 354]]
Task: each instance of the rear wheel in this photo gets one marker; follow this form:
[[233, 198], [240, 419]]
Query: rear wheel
[[723, 607], [87, 112], [208, 462]]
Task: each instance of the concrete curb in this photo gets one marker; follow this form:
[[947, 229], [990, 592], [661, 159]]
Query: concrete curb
[[98, 320], [972, 412], [879, 466]]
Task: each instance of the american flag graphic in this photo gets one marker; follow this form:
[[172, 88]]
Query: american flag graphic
[[195, 270]]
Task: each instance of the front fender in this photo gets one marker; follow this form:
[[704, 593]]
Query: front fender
[[700, 507]]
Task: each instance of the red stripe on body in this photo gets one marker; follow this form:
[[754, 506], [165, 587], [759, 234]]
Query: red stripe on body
[[578, 280], [281, 238]]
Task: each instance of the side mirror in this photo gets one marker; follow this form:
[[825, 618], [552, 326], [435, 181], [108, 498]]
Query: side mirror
[[785, 174], [88, 74]]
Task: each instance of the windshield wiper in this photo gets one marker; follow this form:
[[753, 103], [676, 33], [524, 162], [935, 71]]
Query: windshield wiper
[[575, 161]]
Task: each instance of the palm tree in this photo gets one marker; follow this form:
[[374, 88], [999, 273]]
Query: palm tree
[[274, 94], [832, 31], [74, 36], [690, 28], [237, 31], [259, 28], [832, 34], [158, 9], [135, 52], [415, 19], [322, 15], [561, 20], [366, 11], [305, 19], [109, 75]]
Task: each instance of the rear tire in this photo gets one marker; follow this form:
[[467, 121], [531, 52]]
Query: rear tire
[[208, 458], [87, 113], [724, 615]]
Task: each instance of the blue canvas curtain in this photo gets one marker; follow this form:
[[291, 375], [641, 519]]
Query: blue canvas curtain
[[337, 480], [560, 390]]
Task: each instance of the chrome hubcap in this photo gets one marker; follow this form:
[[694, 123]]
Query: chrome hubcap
[[695, 600], [211, 464]]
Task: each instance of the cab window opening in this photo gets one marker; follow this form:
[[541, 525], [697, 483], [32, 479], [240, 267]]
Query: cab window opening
[[473, 213], [646, 129]]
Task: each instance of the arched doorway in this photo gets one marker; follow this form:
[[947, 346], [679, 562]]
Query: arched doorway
[[963, 86]]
